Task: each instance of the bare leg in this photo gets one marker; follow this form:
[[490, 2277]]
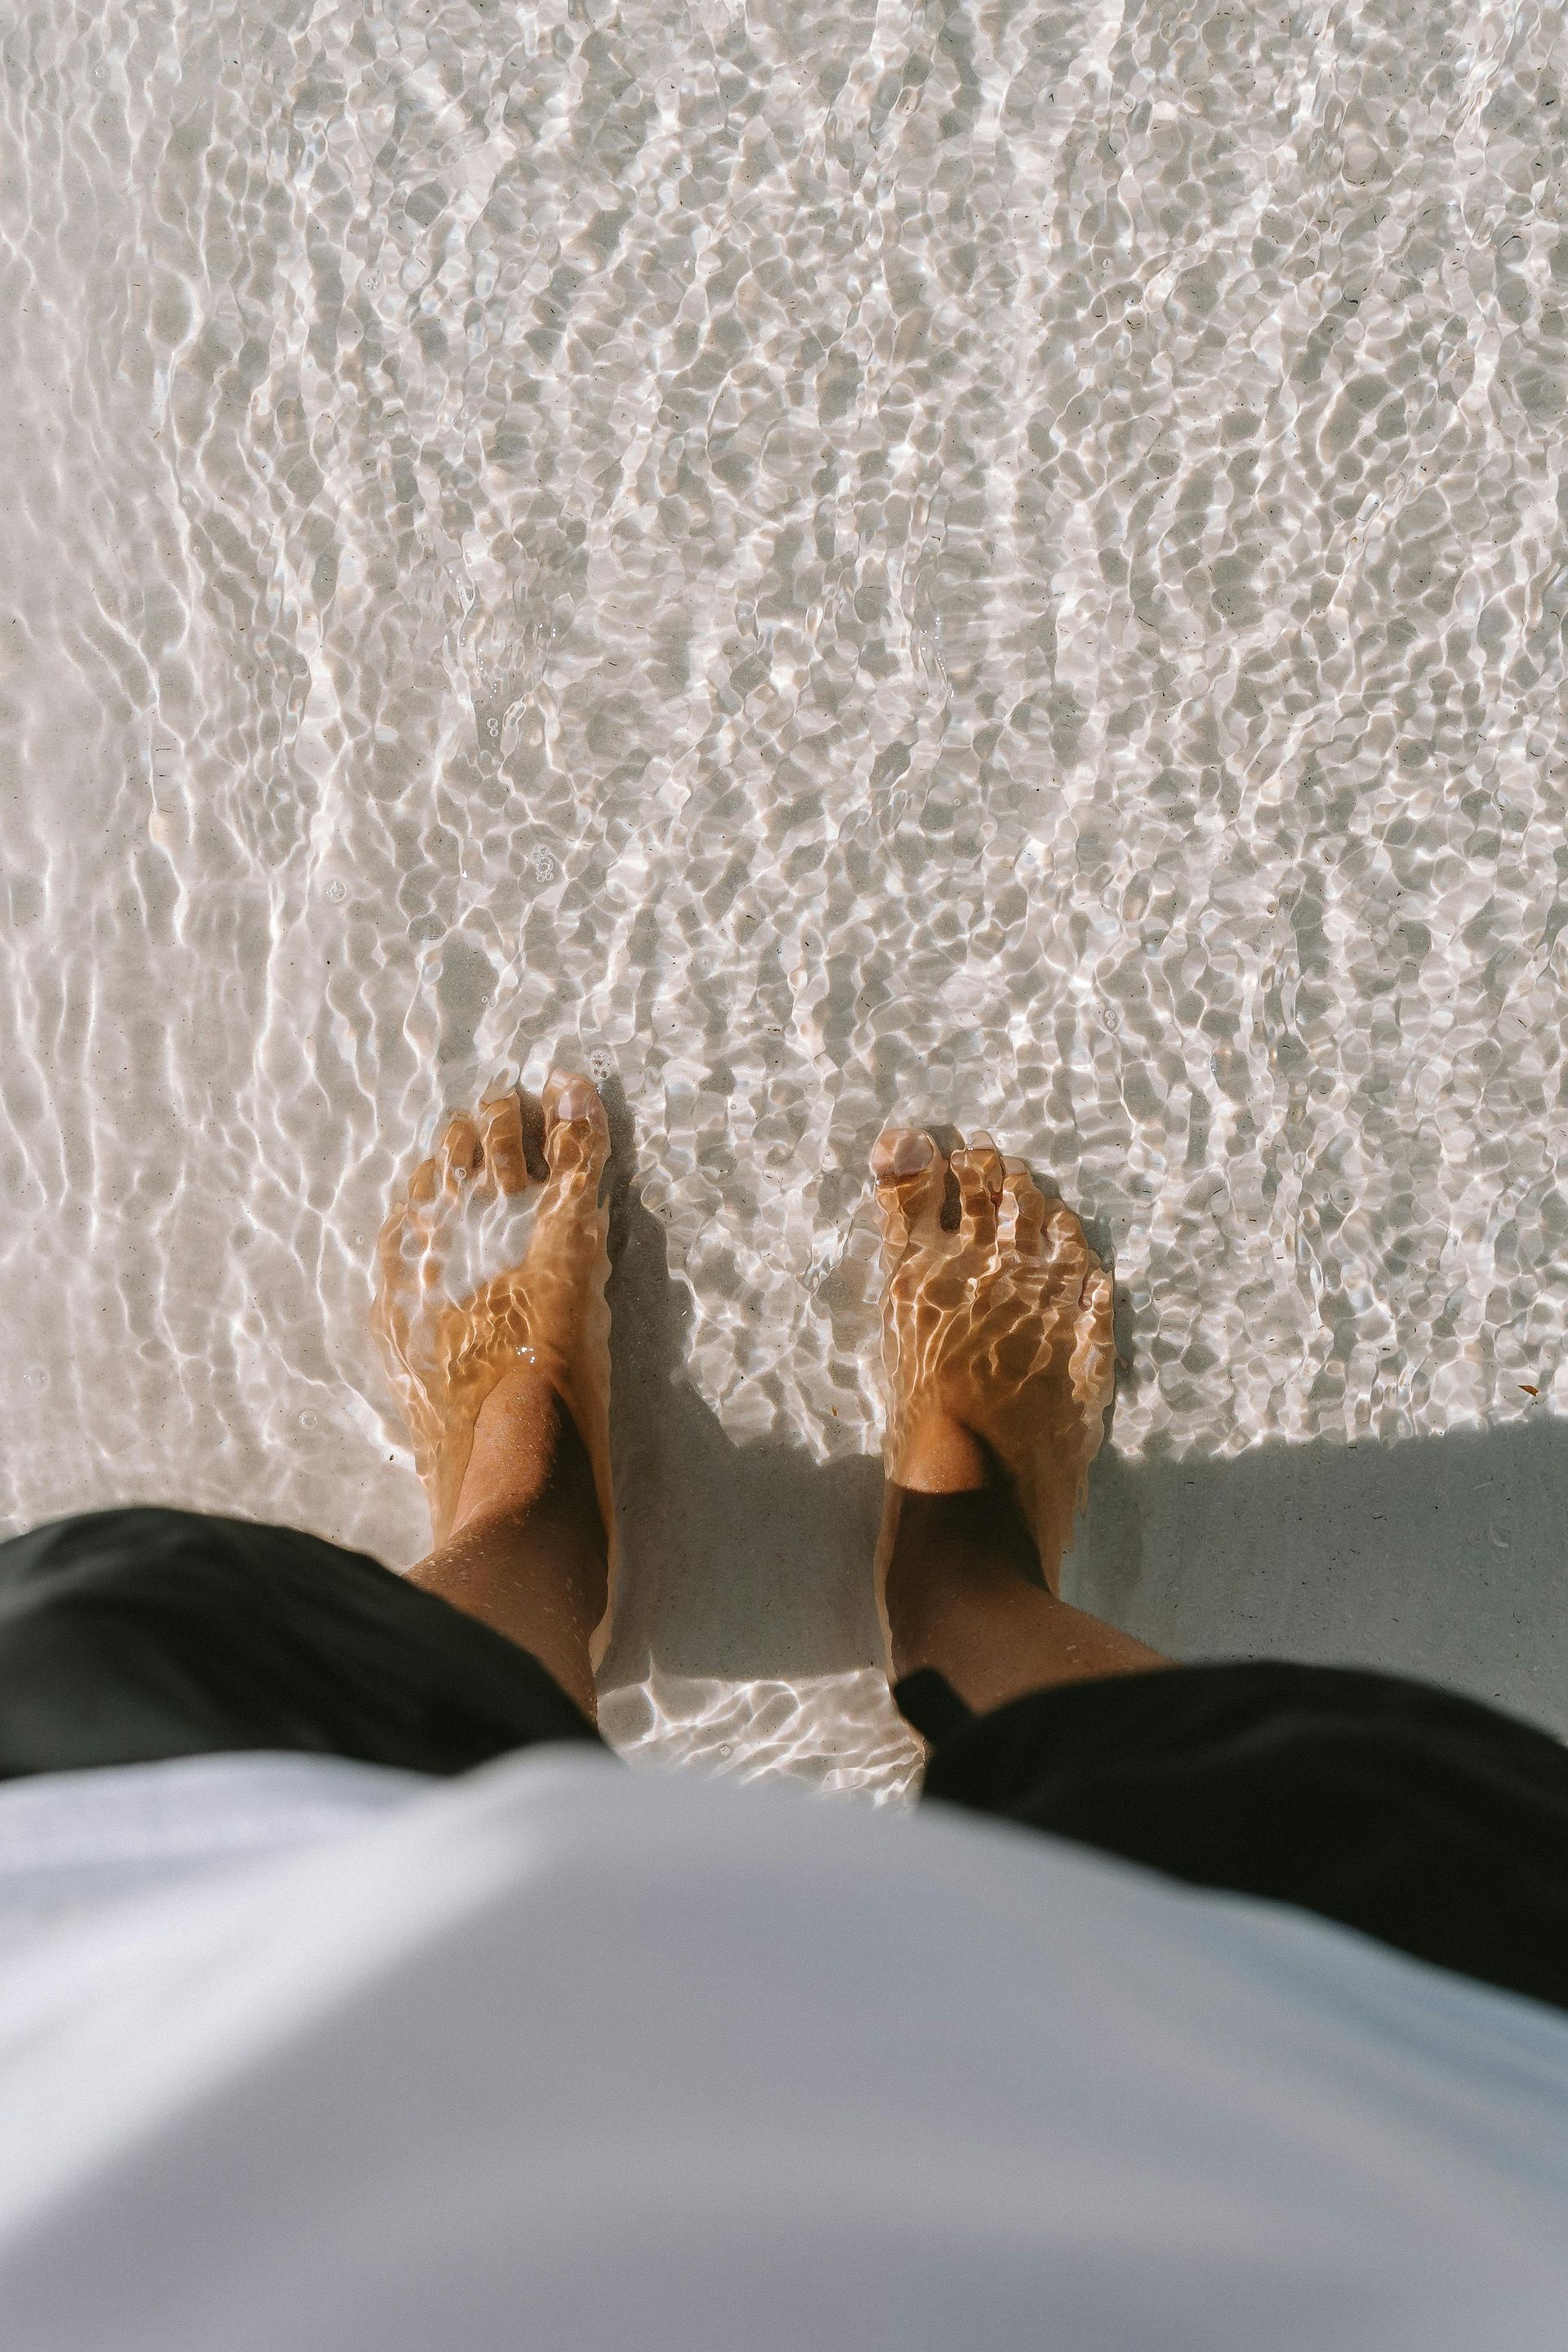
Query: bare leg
[[506, 1388], [998, 1350]]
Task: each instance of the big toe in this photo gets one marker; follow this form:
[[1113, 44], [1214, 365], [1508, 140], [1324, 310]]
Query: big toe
[[577, 1130], [911, 1179]]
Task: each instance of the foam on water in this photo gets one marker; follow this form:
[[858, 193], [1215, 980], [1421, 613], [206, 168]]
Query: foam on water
[[999, 561]]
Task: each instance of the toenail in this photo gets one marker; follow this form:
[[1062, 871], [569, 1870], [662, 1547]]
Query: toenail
[[577, 1099], [911, 1153]]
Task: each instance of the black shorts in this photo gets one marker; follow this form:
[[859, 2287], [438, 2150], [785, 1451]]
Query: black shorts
[[131, 1636], [1428, 1821]]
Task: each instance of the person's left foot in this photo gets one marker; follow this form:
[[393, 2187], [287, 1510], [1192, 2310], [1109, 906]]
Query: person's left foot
[[454, 1338]]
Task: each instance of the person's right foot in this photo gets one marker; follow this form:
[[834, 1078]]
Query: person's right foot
[[464, 1354], [996, 1338]]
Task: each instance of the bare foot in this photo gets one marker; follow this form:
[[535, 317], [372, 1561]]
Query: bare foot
[[996, 1339], [476, 1321]]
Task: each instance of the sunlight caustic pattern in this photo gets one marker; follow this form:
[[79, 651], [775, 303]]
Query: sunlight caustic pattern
[[1003, 1324], [997, 560], [479, 1268], [836, 1733]]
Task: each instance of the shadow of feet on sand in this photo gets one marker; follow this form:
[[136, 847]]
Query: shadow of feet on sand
[[1440, 1556], [1437, 1556], [738, 1561]]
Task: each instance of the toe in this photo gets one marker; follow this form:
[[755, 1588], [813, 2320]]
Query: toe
[[458, 1154], [422, 1189], [1063, 1244], [911, 1180], [1022, 1212], [979, 1170], [500, 1137], [576, 1131]]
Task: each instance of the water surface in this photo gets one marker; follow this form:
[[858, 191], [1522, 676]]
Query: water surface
[[1002, 562]]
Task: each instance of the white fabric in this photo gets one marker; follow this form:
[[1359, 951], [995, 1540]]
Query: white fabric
[[562, 2056], [71, 1841]]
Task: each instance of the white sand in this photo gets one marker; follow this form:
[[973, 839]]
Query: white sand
[[1005, 564]]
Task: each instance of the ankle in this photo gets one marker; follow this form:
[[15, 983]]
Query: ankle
[[981, 1528], [526, 1454], [940, 1456], [949, 1556]]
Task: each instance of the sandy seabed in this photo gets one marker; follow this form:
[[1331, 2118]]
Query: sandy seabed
[[997, 562]]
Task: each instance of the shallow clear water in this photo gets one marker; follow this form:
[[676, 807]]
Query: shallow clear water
[[1005, 562]]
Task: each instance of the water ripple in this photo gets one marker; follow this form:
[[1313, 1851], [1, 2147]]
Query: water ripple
[[1003, 565]]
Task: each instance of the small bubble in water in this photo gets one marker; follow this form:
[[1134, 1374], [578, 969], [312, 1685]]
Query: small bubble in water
[[599, 1066], [35, 1376], [542, 863], [337, 892], [527, 1355], [726, 1747], [307, 1419]]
